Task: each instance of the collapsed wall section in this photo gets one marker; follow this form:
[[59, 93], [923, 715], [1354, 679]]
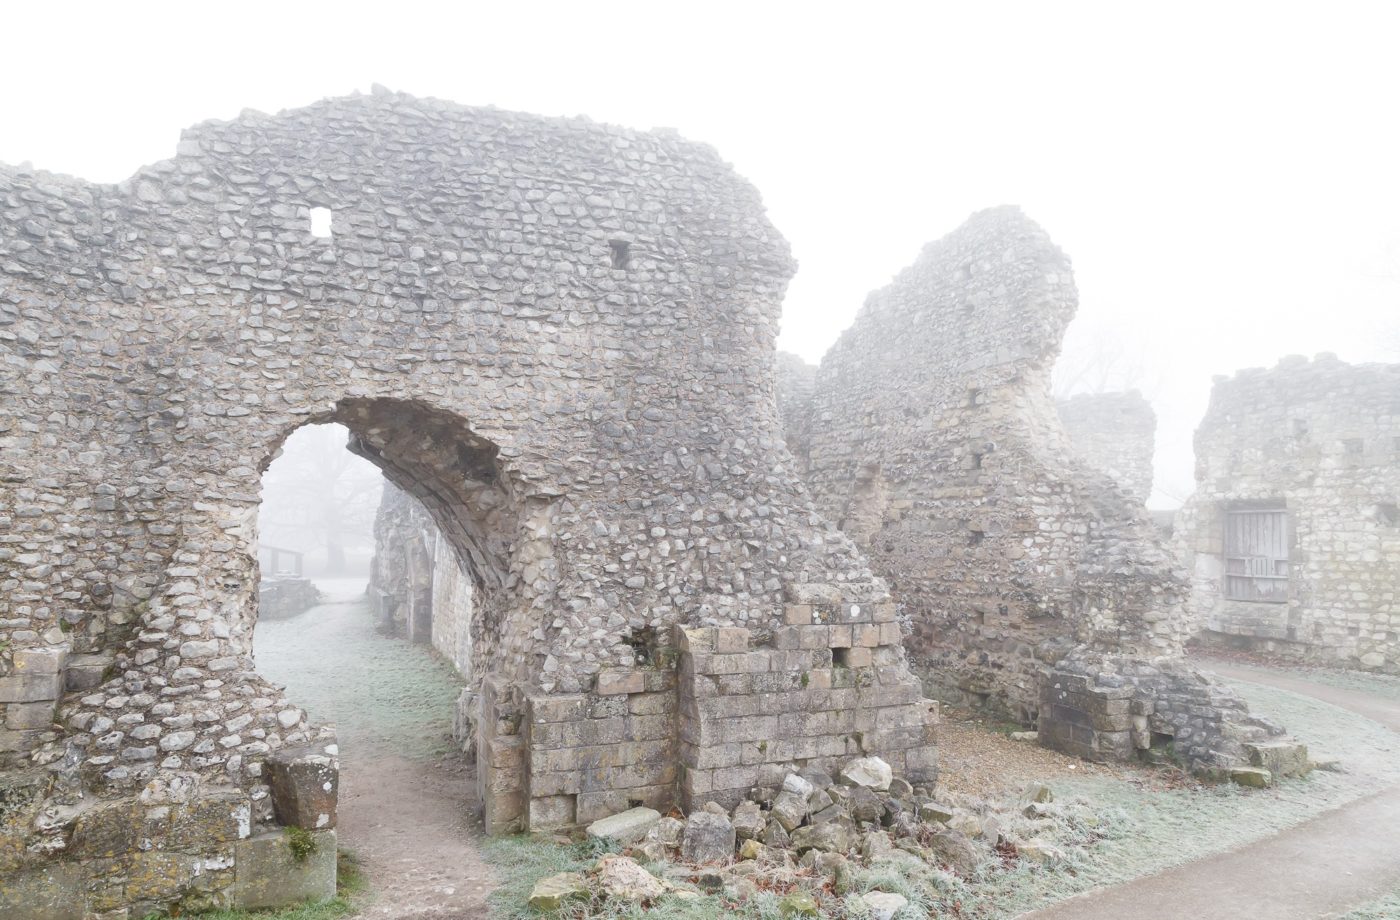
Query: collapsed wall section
[[1116, 434], [1292, 538], [1033, 582]]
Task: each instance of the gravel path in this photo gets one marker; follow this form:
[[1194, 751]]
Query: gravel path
[[407, 803], [1314, 870]]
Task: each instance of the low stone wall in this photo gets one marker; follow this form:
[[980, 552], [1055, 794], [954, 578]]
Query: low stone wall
[[282, 597], [1106, 708], [718, 712]]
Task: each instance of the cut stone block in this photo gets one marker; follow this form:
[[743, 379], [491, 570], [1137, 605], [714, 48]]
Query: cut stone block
[[1252, 777], [304, 781], [267, 874], [85, 672], [626, 827], [707, 838], [1281, 758], [46, 661], [30, 688], [29, 716], [553, 892], [52, 893]]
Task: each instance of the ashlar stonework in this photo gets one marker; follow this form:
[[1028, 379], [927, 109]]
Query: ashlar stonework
[[1292, 537], [1033, 582], [557, 335]]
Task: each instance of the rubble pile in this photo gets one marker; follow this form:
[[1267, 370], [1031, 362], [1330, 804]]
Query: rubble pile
[[811, 845]]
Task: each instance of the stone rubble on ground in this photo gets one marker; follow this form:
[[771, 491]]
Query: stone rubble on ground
[[809, 839]]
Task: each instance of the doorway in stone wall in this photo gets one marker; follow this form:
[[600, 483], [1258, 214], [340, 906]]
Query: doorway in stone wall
[[347, 597]]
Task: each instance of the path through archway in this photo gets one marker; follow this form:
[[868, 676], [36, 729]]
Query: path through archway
[[408, 808]]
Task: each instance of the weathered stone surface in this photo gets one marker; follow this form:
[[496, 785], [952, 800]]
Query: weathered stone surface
[[1036, 584], [554, 891], [515, 323], [936, 812], [1114, 433], [622, 878], [1039, 851], [883, 905], [830, 836], [871, 772], [1315, 442], [864, 805], [956, 850], [1253, 777], [1037, 792], [267, 874], [798, 904], [708, 838], [789, 809], [748, 820], [304, 781], [52, 893], [625, 827]]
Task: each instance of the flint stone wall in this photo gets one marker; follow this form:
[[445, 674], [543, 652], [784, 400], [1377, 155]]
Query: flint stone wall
[[1321, 438], [418, 588], [1033, 582], [557, 335], [1116, 434]]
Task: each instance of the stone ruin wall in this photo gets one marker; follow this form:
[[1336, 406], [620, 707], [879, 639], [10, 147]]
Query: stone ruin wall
[[1116, 434], [1321, 438], [797, 381], [418, 588], [1032, 581], [557, 335]]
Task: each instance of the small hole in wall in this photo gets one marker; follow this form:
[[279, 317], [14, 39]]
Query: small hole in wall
[[620, 252], [841, 657], [644, 647], [321, 223], [975, 537], [1388, 513]]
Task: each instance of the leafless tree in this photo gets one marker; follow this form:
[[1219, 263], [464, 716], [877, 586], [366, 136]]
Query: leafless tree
[[317, 493]]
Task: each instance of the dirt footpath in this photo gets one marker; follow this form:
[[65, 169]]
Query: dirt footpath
[[407, 811]]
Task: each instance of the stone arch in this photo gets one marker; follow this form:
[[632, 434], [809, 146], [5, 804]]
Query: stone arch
[[458, 476]]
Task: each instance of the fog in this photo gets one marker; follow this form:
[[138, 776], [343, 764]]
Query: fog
[[318, 499], [1223, 177]]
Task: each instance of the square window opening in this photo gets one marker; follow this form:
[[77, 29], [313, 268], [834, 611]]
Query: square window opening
[[1256, 555], [620, 252], [321, 223]]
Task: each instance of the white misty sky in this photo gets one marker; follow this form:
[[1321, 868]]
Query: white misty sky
[[1226, 177]]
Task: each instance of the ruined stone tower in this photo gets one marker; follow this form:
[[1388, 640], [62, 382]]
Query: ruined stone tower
[[1033, 582]]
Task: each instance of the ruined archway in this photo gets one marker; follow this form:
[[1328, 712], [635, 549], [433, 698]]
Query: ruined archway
[[595, 433]]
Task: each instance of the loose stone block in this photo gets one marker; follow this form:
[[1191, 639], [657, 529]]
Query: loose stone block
[[304, 781], [626, 827]]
